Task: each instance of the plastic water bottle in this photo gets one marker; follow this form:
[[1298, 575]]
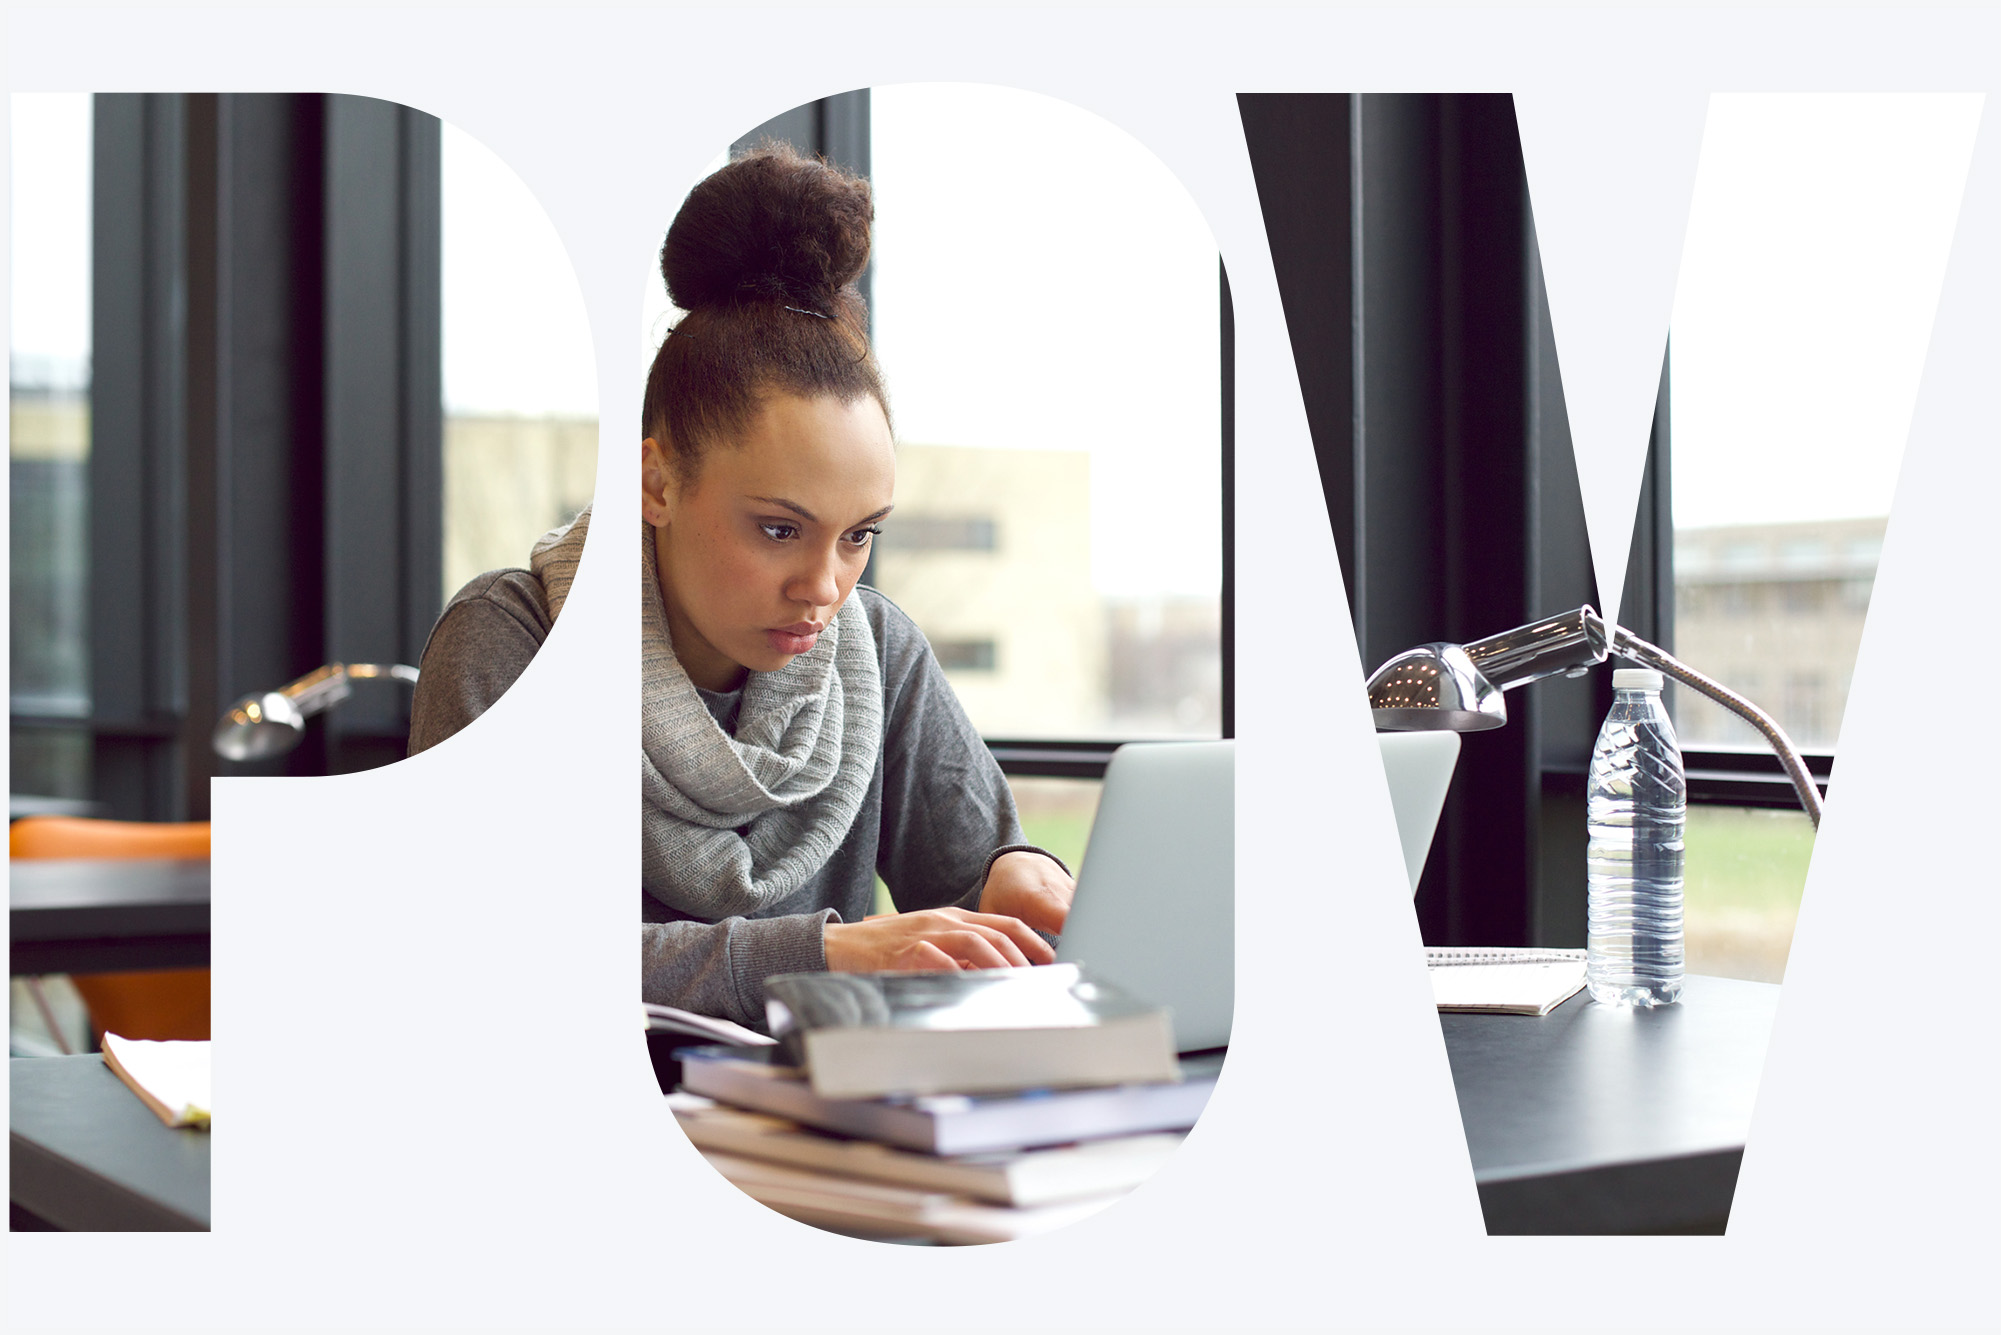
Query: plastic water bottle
[[1635, 809]]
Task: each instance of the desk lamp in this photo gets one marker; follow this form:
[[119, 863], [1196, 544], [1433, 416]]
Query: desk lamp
[[1457, 688], [259, 727]]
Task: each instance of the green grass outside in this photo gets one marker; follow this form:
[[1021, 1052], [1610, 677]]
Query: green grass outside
[[1745, 858], [1063, 833], [1744, 876]]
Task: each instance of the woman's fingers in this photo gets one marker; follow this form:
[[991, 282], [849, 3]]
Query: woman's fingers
[[970, 949], [921, 956], [935, 939], [1034, 950], [982, 947]]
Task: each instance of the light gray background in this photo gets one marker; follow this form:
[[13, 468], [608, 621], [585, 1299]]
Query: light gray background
[[480, 1143]]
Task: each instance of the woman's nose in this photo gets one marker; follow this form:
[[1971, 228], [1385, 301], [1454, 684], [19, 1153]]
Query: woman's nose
[[818, 583]]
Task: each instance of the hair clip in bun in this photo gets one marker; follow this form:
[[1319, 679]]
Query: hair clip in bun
[[803, 311]]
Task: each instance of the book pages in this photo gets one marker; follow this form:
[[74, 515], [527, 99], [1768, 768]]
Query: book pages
[[172, 1078]]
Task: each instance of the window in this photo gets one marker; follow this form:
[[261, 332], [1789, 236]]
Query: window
[[1058, 374], [941, 533], [1404, 245], [965, 655], [48, 414], [228, 422], [520, 381], [1055, 374], [1800, 328]]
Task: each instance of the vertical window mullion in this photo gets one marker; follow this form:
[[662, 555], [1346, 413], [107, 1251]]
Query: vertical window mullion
[[138, 511]]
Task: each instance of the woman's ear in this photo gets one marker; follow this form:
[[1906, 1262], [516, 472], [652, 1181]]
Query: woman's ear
[[656, 484]]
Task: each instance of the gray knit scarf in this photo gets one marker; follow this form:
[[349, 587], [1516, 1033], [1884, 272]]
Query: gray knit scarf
[[733, 825]]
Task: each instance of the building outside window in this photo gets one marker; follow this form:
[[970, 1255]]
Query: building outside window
[[1817, 244], [1055, 370], [520, 376], [48, 417]]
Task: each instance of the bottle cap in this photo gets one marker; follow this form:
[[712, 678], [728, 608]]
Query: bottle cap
[[1636, 679]]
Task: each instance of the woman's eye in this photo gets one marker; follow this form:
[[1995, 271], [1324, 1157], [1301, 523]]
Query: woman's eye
[[860, 537], [780, 532]]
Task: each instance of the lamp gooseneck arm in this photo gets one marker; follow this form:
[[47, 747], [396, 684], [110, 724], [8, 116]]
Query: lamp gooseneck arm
[[1628, 645], [399, 671], [324, 687], [1458, 687]]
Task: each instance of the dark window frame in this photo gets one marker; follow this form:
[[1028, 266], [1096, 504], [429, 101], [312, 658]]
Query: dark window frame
[[1407, 262], [266, 323]]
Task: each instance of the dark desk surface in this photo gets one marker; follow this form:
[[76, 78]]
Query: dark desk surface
[[84, 916], [86, 1154], [1599, 1119]]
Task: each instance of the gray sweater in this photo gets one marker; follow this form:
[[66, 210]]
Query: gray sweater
[[937, 805]]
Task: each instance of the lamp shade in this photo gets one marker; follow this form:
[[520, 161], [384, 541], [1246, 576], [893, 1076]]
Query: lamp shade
[[1455, 688], [1434, 687], [259, 727]]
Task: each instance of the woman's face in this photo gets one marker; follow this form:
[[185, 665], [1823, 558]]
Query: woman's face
[[760, 549]]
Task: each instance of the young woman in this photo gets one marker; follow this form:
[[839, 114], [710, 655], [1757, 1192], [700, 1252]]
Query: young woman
[[797, 736]]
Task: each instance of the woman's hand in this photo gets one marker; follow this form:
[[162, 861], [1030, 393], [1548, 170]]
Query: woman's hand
[[931, 940], [1032, 887]]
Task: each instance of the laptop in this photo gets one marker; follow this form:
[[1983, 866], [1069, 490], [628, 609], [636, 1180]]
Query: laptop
[[1155, 909]]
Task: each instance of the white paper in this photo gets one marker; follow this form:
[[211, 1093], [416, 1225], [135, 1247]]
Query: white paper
[[175, 1073]]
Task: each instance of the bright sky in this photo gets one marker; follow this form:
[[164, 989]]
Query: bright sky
[[1817, 244], [49, 215], [1043, 282], [517, 339], [1082, 316], [516, 336]]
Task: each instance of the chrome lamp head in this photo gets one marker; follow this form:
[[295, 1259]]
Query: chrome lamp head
[[1455, 688], [263, 726], [1449, 687], [1434, 687], [259, 727]]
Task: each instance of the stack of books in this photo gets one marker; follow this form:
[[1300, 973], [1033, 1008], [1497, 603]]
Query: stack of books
[[964, 1108]]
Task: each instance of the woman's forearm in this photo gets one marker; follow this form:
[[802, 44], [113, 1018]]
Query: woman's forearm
[[719, 968]]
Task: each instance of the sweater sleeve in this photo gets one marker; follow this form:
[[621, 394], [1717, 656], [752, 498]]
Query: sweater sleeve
[[485, 639], [946, 805], [719, 968]]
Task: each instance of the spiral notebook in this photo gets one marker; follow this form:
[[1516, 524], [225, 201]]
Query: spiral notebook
[[1503, 980]]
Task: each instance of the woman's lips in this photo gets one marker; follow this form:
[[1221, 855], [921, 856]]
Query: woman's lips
[[796, 638]]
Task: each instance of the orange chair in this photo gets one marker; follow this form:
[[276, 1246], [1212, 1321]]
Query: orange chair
[[163, 1003]]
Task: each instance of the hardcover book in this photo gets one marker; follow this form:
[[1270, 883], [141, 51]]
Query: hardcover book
[[951, 1123], [862, 1035], [1007, 1177]]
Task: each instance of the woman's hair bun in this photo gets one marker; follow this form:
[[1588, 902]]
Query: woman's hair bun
[[774, 224]]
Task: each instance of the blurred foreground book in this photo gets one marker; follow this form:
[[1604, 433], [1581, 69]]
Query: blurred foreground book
[[968, 1031], [1008, 1177], [952, 1123]]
